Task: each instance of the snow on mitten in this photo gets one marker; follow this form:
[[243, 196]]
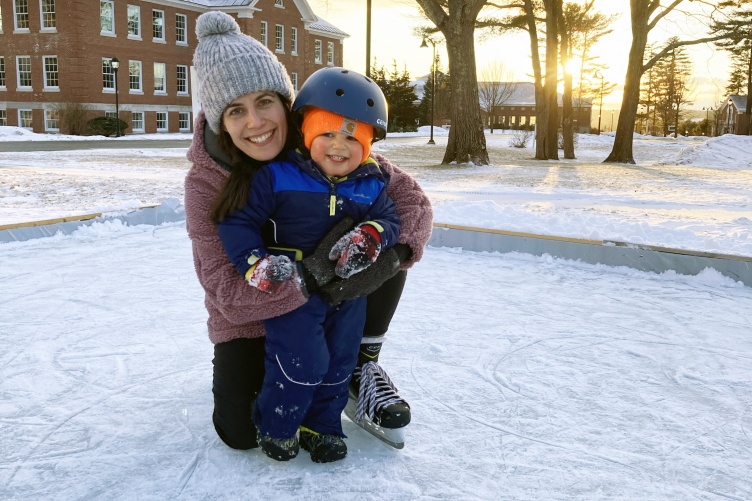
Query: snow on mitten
[[270, 272], [356, 250]]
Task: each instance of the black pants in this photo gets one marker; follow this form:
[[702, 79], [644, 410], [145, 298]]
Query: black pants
[[239, 368]]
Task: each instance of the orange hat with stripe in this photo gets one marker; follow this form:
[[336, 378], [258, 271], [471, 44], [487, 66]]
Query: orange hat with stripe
[[317, 121]]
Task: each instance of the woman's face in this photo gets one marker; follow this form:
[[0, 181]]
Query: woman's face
[[257, 124]]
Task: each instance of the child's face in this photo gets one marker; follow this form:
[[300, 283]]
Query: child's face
[[336, 153]]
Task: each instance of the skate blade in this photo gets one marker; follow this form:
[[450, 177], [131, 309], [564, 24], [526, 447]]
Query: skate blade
[[392, 437]]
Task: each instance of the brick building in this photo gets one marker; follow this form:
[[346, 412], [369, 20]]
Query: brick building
[[518, 110], [56, 56]]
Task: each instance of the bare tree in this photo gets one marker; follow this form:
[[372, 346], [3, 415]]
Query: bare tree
[[495, 89], [645, 16], [456, 20]]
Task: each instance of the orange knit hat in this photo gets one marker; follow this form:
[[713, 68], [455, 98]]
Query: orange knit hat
[[317, 121]]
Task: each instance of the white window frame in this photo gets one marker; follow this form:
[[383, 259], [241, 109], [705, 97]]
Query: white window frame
[[102, 5], [264, 33], [279, 38], [330, 53], [184, 79], [47, 74], [294, 41], [178, 29], [1, 18], [47, 29], [154, 25], [140, 89], [163, 90], [184, 117], [107, 63], [20, 14], [166, 121], [135, 9], [31, 118], [18, 73], [317, 52], [294, 80], [48, 118], [3, 74], [136, 118], [279, 3], [3, 116]]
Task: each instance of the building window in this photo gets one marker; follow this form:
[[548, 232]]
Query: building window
[[317, 58], [157, 18], [51, 120], [330, 53], [107, 16], [263, 33], [294, 41], [279, 33], [2, 72], [134, 22], [25, 119], [1, 18], [51, 74], [137, 121], [184, 121], [159, 78], [161, 121], [134, 77], [294, 80], [181, 32], [108, 74], [21, 12], [182, 74], [48, 15], [23, 70], [279, 3], [3, 117]]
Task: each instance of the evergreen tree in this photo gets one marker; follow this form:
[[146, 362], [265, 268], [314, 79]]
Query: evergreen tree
[[737, 28], [401, 97]]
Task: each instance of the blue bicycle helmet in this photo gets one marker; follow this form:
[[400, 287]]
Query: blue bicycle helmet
[[345, 93]]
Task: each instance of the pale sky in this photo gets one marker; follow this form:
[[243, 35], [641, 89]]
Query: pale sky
[[392, 38]]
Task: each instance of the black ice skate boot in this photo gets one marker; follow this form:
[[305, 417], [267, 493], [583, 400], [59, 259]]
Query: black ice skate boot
[[375, 393], [323, 448], [279, 449]]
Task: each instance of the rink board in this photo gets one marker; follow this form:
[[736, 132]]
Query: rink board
[[610, 253]]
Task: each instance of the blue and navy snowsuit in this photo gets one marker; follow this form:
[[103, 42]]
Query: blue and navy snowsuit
[[310, 351]]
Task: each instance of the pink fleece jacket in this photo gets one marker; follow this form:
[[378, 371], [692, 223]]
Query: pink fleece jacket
[[236, 309]]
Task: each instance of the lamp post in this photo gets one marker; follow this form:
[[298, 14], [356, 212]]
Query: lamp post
[[368, 38], [598, 74], [433, 82], [115, 65]]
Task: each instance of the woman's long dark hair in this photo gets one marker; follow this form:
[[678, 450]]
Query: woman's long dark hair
[[234, 193]]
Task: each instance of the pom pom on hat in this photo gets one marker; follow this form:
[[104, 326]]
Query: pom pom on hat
[[317, 121], [230, 64]]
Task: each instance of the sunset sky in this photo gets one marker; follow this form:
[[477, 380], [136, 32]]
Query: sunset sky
[[392, 38]]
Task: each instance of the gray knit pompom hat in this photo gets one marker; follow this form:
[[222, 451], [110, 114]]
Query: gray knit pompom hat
[[230, 64]]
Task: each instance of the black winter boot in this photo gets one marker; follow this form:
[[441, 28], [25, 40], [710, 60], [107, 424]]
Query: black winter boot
[[377, 396], [323, 448], [280, 449]]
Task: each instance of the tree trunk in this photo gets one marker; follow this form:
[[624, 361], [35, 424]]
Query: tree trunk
[[541, 117], [567, 111], [622, 149], [552, 66], [747, 126], [456, 21]]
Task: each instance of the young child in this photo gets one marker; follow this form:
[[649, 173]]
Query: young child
[[292, 205]]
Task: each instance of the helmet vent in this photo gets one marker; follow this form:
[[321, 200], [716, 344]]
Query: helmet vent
[[370, 102], [340, 92]]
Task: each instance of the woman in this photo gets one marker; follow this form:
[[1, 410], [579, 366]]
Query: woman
[[229, 65]]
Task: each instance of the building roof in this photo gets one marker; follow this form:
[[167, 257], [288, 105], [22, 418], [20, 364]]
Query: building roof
[[740, 103], [322, 25]]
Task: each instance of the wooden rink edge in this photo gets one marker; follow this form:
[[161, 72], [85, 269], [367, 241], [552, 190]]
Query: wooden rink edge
[[613, 243]]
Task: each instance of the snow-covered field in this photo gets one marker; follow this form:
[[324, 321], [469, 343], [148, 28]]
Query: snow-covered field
[[530, 377]]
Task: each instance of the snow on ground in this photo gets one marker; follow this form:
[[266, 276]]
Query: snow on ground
[[530, 377]]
